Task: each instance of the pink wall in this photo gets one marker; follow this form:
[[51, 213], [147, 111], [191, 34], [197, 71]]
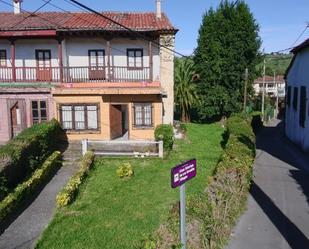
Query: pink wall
[[27, 96]]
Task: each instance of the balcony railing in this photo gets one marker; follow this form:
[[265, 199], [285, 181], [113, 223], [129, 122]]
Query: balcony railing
[[75, 74]]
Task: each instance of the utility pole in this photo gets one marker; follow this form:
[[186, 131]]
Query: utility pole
[[277, 97], [245, 93], [263, 91]]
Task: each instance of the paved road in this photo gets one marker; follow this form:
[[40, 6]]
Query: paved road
[[278, 212], [26, 229]]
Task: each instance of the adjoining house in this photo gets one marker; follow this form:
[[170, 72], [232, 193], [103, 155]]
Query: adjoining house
[[273, 86], [297, 109], [98, 79]]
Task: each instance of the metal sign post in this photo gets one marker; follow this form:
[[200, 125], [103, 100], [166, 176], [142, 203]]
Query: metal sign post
[[179, 176], [183, 234]]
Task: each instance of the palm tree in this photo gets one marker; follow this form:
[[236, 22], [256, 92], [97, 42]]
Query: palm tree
[[185, 91]]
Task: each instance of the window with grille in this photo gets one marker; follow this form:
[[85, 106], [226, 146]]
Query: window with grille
[[39, 111], [302, 106], [135, 58], [79, 117], [295, 98], [143, 115], [3, 58]]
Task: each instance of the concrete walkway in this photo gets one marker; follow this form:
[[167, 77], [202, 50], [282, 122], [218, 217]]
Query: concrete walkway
[[278, 210], [27, 227]]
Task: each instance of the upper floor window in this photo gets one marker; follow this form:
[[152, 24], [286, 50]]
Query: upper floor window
[[3, 58], [79, 117], [43, 58], [39, 111], [135, 58], [143, 115]]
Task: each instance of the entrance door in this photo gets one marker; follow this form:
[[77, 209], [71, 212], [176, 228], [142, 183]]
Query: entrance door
[[119, 121], [43, 61], [16, 120], [96, 65]]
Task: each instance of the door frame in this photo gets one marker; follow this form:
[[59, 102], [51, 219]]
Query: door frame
[[127, 118]]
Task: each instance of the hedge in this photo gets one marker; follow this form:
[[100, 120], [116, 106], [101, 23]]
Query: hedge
[[213, 213], [69, 192], [26, 189], [26, 152]]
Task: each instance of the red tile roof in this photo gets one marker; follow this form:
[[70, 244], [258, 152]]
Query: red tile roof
[[269, 79], [84, 21]]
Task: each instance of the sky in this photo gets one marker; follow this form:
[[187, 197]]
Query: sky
[[281, 21]]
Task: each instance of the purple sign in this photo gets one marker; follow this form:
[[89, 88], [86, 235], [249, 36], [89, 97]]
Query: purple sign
[[183, 173]]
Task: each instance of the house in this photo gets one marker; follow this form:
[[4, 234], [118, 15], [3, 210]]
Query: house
[[99, 80], [297, 110], [273, 86]]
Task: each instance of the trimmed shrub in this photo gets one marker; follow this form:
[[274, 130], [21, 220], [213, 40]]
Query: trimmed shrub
[[26, 189], [26, 152], [125, 170], [69, 192], [165, 133]]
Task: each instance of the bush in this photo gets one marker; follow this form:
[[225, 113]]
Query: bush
[[69, 192], [26, 152], [165, 133], [256, 122], [26, 189], [125, 170]]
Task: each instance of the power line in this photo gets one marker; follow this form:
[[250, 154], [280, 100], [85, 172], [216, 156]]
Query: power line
[[123, 26], [31, 14], [300, 35], [25, 11]]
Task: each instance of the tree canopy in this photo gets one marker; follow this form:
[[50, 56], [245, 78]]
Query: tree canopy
[[228, 43]]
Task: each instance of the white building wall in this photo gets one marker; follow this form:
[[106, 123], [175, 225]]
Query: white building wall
[[298, 76], [75, 53]]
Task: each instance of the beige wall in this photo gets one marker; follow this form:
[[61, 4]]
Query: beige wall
[[167, 77], [104, 114]]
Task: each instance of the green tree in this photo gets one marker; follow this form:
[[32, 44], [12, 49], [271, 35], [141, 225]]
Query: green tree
[[185, 91], [228, 43]]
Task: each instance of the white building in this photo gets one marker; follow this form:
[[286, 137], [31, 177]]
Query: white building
[[273, 86], [297, 111]]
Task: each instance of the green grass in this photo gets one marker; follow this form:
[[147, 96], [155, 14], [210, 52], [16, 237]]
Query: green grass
[[115, 213]]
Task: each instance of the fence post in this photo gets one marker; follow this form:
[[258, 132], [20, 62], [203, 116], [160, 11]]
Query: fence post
[[161, 149], [84, 146]]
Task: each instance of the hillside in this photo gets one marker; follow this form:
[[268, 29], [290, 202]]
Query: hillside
[[277, 63]]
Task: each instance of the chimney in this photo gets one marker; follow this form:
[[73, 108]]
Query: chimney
[[17, 6], [158, 10]]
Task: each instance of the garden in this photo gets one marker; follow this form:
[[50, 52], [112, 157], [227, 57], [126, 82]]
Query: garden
[[120, 212]]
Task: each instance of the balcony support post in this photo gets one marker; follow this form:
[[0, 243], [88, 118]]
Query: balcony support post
[[60, 58], [108, 51], [13, 58], [150, 53]]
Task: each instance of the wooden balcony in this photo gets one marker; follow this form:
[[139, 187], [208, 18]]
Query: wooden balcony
[[75, 74]]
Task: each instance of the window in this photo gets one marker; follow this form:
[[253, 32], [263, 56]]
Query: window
[[39, 111], [143, 115], [135, 58], [79, 117], [3, 58], [302, 108], [288, 97], [295, 98], [43, 58]]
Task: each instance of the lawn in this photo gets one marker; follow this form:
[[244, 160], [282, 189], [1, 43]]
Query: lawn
[[114, 213]]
